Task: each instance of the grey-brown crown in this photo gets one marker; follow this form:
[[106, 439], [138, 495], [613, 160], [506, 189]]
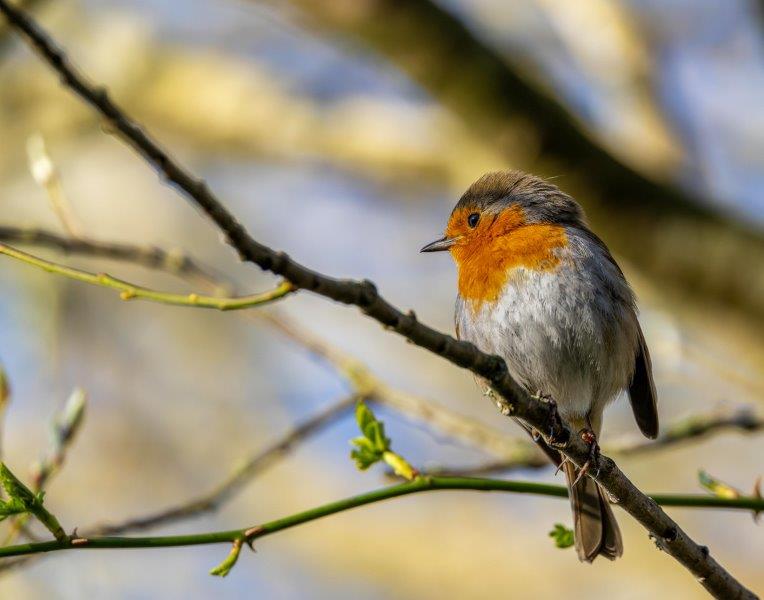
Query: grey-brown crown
[[543, 202]]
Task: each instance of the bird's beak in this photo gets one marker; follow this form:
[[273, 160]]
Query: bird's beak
[[440, 245]]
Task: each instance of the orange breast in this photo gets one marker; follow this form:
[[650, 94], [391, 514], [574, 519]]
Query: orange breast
[[486, 260]]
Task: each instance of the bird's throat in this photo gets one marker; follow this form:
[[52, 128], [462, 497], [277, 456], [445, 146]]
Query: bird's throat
[[486, 265]]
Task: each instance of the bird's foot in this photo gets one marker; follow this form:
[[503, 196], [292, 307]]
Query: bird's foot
[[587, 435]]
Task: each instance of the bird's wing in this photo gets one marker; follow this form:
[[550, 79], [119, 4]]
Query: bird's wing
[[642, 391], [642, 387]]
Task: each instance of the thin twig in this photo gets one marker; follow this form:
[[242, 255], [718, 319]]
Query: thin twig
[[5, 395], [129, 291], [689, 429], [421, 410], [24, 500], [742, 419], [47, 176], [66, 424], [418, 485], [176, 262], [526, 456], [222, 492], [515, 400]]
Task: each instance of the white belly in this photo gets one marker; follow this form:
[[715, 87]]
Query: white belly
[[570, 334]]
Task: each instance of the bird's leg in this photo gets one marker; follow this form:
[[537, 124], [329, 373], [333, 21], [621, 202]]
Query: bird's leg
[[588, 436]]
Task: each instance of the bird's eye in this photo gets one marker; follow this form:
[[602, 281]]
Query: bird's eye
[[473, 219]]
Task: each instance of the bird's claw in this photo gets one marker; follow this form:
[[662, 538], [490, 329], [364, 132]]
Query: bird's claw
[[587, 435], [564, 460]]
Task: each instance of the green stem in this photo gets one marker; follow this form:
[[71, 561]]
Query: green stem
[[50, 522], [27, 501], [128, 291], [421, 484]]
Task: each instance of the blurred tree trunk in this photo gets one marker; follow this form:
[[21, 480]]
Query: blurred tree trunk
[[670, 234]]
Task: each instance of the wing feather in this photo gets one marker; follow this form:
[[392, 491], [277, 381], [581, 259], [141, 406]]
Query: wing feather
[[642, 391]]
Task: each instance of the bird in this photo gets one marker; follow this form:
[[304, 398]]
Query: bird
[[539, 289]]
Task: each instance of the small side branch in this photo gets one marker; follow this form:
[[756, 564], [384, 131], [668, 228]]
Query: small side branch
[[66, 424], [695, 427], [689, 429], [176, 262], [252, 467], [47, 176], [129, 291], [23, 500]]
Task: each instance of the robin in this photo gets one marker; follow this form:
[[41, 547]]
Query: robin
[[542, 291]]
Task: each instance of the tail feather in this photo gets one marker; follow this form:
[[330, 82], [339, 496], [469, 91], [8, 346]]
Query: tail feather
[[595, 529]]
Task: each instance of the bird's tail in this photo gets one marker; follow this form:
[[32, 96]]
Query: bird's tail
[[595, 528]]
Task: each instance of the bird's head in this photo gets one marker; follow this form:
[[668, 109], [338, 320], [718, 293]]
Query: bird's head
[[502, 204], [505, 221]]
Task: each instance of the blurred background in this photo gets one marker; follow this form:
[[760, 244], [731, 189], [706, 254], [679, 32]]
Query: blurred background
[[343, 132]]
